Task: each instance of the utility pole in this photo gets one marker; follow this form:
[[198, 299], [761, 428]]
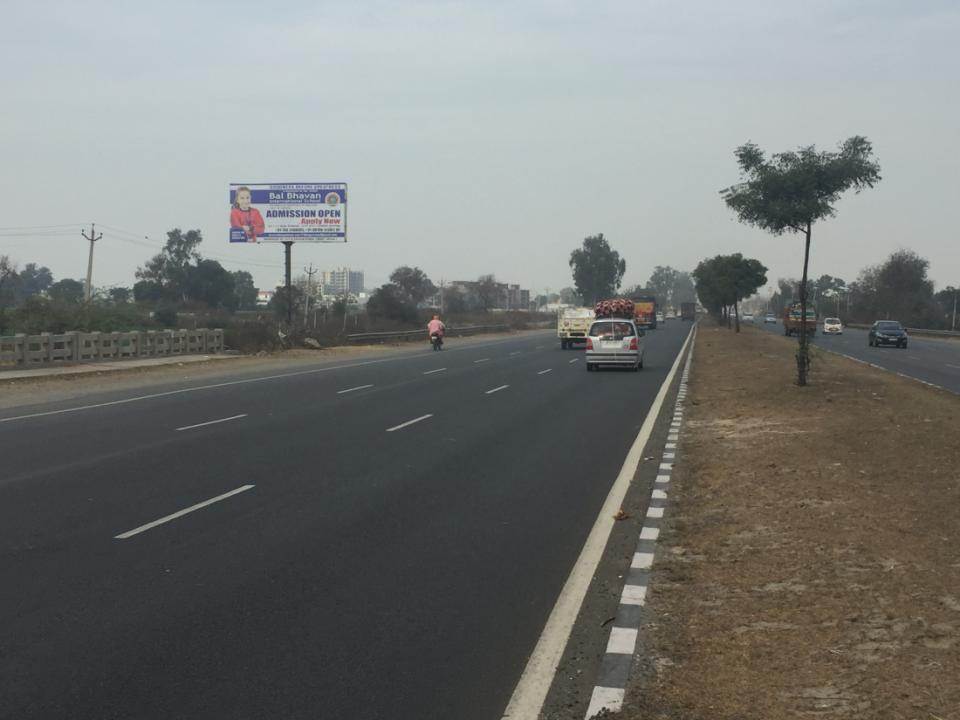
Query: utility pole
[[287, 244], [93, 237], [953, 325], [441, 297], [306, 305]]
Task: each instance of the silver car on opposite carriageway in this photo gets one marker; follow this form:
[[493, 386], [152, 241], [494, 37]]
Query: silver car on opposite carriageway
[[614, 342]]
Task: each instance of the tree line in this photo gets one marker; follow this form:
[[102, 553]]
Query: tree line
[[898, 288]]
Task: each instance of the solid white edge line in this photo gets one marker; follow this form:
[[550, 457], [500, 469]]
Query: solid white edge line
[[181, 513], [530, 692], [211, 422], [350, 390], [604, 698], [410, 422], [431, 372], [496, 389]]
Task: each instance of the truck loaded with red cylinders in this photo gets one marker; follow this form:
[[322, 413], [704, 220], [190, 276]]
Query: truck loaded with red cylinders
[[641, 309]]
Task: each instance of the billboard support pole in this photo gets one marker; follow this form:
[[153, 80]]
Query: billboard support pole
[[287, 244]]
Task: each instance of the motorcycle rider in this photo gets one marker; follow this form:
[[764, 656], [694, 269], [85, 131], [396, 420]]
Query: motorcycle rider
[[436, 327]]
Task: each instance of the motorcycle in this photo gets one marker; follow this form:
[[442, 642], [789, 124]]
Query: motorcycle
[[437, 341]]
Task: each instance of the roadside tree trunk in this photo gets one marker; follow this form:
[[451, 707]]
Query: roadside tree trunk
[[803, 351], [736, 311]]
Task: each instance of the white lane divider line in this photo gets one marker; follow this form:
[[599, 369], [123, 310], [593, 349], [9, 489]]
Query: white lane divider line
[[575, 360], [539, 347], [410, 422], [211, 422], [349, 390], [496, 389], [431, 372], [953, 366], [912, 357], [515, 352], [481, 360], [544, 372], [181, 513]]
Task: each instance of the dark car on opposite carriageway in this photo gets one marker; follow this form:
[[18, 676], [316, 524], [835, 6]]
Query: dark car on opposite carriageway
[[887, 332]]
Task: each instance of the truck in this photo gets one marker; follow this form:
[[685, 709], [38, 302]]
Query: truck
[[573, 324], [688, 311], [792, 315], [645, 308]]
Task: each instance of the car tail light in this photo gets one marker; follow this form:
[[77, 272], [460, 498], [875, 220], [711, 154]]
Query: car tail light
[[589, 344], [633, 344]]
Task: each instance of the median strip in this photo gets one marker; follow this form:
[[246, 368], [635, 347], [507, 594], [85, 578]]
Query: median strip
[[350, 390], [181, 513], [211, 422], [409, 423]]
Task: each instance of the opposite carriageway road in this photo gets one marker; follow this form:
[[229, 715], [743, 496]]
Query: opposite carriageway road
[[392, 550], [929, 360]]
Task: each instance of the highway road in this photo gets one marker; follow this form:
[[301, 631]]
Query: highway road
[[380, 537], [930, 360]]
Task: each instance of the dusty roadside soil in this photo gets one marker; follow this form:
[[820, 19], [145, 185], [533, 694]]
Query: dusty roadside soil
[[810, 567]]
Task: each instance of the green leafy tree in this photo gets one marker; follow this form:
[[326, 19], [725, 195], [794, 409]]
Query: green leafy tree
[[388, 301], [597, 269], [724, 281], [120, 295], [66, 291], [683, 290], [948, 304], [905, 293], [34, 280], [168, 271], [244, 291], [793, 190], [209, 283], [414, 283], [661, 283]]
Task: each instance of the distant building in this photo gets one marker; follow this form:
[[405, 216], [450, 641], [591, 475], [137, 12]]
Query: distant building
[[264, 297], [341, 281], [508, 297]]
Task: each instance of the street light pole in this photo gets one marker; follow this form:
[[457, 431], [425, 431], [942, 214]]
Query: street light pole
[[953, 324]]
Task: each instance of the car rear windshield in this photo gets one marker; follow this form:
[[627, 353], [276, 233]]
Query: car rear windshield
[[612, 330], [888, 325]]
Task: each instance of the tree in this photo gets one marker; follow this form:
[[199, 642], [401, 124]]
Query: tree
[[597, 269], [724, 281], [208, 282], [67, 291], [9, 282], [792, 191], [120, 295], [34, 280], [456, 300], [388, 301], [905, 292], [661, 282], [168, 270], [488, 292], [947, 303], [567, 296], [244, 291], [414, 283], [683, 290]]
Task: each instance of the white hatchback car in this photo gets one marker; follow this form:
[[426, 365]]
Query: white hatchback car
[[614, 342], [832, 326]]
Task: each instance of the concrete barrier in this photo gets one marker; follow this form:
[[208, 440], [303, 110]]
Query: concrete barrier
[[76, 347]]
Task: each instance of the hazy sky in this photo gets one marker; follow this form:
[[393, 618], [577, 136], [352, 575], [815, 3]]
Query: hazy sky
[[476, 136]]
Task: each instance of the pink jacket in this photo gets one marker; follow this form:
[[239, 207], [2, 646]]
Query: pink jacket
[[435, 326]]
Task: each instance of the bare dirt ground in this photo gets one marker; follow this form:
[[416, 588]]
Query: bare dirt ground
[[811, 564]]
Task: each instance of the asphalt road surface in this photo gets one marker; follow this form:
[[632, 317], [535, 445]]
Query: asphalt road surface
[[930, 360], [381, 537]]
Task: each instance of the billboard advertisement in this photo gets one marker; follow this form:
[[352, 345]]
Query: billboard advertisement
[[295, 212]]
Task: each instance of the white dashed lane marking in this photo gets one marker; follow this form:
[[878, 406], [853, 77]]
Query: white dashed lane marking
[[409, 422]]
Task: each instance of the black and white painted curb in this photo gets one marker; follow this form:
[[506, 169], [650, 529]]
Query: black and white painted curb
[[615, 667]]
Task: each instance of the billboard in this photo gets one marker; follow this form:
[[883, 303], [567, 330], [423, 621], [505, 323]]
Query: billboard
[[281, 212]]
